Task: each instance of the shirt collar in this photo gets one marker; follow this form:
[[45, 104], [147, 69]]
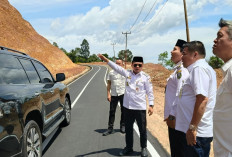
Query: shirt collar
[[140, 73], [179, 64], [199, 61], [226, 66]]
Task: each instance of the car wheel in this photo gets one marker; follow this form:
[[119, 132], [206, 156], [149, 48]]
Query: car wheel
[[32, 140], [67, 112]]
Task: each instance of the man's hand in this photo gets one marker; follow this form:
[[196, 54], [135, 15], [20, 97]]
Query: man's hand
[[191, 136], [109, 98], [150, 111], [103, 58], [171, 123]]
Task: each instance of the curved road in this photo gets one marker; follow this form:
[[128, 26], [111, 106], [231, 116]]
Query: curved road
[[83, 137]]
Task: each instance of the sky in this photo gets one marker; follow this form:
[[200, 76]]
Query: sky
[[155, 25]]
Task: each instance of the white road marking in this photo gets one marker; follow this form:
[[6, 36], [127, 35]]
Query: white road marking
[[80, 77], [73, 104], [150, 148], [105, 76]]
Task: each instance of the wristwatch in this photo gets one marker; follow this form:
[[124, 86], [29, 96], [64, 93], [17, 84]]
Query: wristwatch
[[192, 127], [151, 106], [171, 117]]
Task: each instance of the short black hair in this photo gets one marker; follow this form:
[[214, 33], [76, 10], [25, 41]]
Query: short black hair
[[180, 44], [195, 46]]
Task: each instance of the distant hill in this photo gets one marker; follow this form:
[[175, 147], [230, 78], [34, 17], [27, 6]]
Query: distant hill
[[17, 33]]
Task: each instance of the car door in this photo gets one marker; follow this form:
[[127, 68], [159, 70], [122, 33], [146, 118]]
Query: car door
[[50, 94]]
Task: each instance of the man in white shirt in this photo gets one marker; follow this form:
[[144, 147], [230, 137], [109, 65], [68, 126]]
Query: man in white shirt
[[138, 86], [194, 123], [174, 82], [222, 116], [115, 93]]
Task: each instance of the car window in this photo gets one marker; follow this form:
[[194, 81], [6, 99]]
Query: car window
[[30, 70], [11, 71], [43, 72]]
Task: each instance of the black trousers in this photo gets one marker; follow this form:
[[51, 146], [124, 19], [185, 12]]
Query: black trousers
[[201, 149], [140, 117], [113, 107], [172, 141]]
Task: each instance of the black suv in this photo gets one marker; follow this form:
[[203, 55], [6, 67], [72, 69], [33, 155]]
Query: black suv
[[32, 104]]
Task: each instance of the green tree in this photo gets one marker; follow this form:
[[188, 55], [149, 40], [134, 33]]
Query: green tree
[[55, 44], [73, 54], [84, 52], [93, 58], [163, 58], [62, 49], [169, 63], [106, 55], [81, 59], [121, 55], [215, 62]]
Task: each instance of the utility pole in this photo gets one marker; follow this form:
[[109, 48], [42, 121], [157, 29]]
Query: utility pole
[[186, 21], [126, 47], [113, 50]]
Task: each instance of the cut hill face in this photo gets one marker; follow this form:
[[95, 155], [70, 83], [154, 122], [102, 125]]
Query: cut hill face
[[17, 33]]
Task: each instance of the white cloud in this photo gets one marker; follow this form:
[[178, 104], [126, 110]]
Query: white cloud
[[158, 33], [229, 2], [40, 2]]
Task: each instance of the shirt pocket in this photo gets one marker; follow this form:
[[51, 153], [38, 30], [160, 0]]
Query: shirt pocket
[[140, 85], [114, 77]]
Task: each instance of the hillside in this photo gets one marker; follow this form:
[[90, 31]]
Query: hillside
[[17, 33]]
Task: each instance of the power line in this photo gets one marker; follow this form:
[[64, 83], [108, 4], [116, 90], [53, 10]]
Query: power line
[[138, 15], [149, 11], [120, 40], [153, 18], [123, 39]]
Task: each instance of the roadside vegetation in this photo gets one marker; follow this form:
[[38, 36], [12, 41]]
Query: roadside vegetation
[[82, 54], [214, 61]]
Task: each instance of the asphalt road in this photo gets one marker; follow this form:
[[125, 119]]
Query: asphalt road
[[90, 111]]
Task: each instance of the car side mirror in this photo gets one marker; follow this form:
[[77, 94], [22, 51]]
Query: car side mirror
[[60, 77]]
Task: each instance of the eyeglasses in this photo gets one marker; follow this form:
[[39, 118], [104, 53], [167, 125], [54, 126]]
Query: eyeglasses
[[135, 65]]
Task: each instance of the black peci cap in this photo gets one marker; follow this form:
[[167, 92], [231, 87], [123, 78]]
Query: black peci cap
[[180, 43], [137, 59]]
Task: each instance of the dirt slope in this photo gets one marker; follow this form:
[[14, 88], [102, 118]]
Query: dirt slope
[[17, 33]]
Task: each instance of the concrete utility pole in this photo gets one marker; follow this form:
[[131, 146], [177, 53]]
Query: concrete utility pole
[[113, 50], [186, 21], [126, 47]]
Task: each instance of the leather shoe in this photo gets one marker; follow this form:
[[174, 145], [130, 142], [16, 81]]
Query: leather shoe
[[108, 131], [122, 129], [144, 152], [126, 151]]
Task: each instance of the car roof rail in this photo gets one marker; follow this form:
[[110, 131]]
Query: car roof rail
[[6, 48]]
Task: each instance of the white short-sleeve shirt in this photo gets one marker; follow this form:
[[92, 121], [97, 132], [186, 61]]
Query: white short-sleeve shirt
[[174, 83], [117, 83], [222, 117], [201, 80]]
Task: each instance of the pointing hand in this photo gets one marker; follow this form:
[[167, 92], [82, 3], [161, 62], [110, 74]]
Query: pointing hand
[[103, 58]]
